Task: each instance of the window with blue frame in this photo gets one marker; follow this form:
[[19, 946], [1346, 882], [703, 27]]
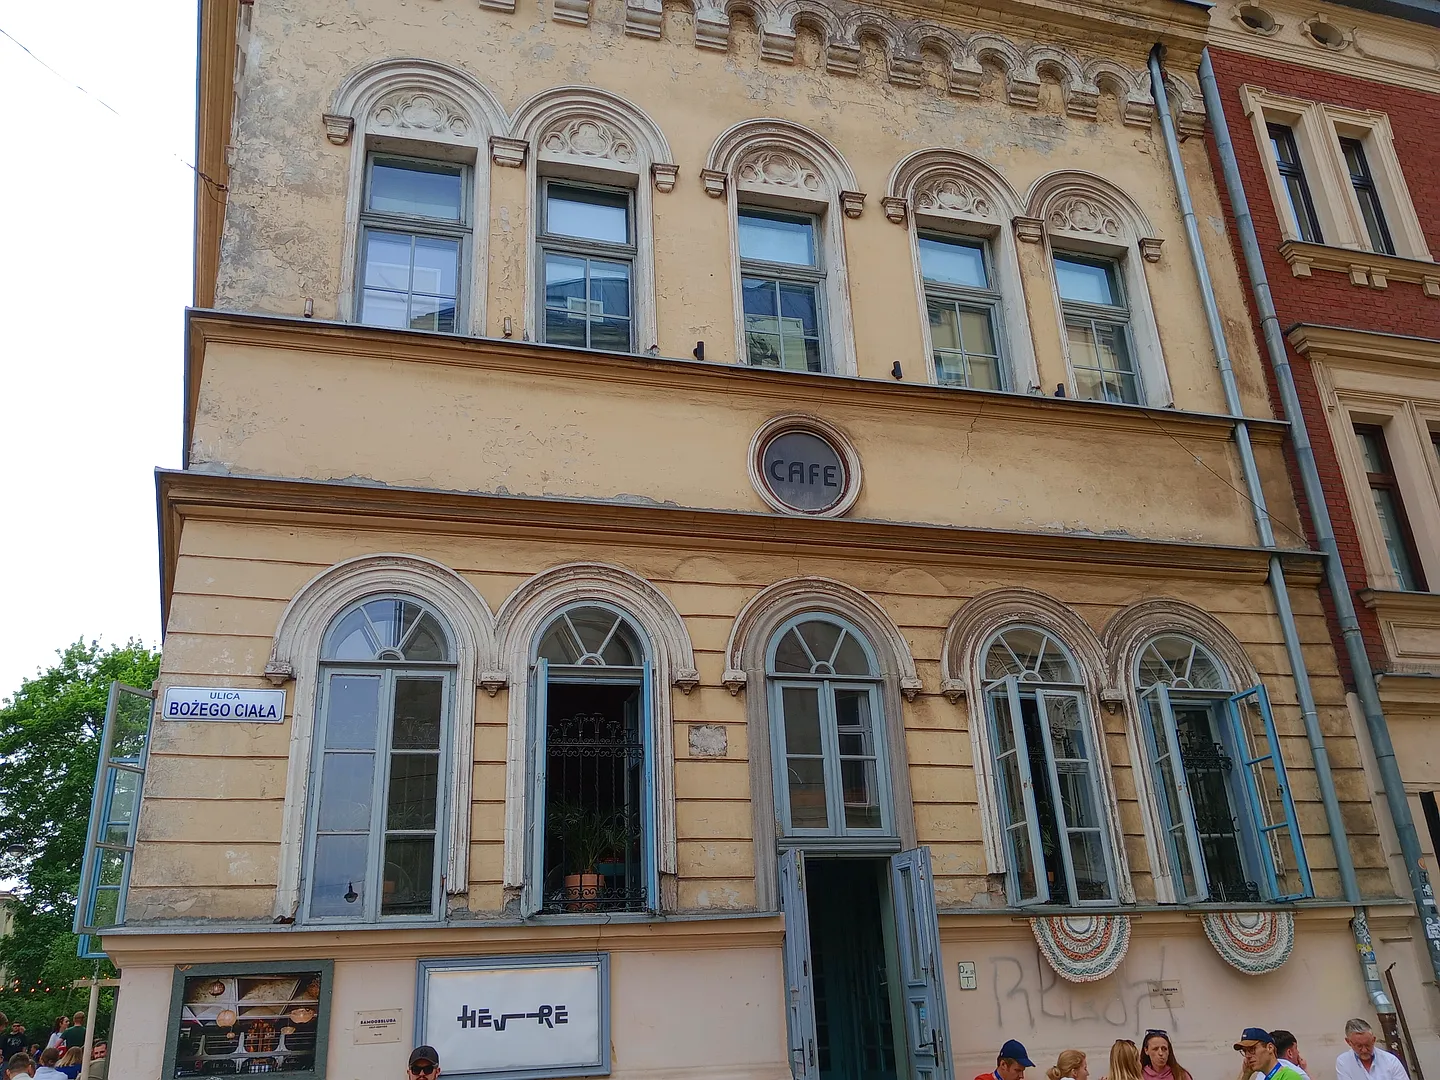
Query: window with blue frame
[[114, 811], [1044, 747], [1224, 800], [592, 842], [377, 806], [831, 779]]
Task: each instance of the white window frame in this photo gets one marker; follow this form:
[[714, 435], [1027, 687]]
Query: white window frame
[[547, 242], [812, 276], [1117, 316], [988, 299]]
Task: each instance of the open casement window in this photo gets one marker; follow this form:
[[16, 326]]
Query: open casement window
[[414, 232], [114, 811], [782, 280], [834, 1021], [964, 311], [378, 811], [592, 830], [826, 714], [1224, 801], [1056, 835], [587, 245], [1097, 328]]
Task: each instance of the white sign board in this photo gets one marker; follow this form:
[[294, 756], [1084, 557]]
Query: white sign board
[[223, 703], [377, 1026], [516, 1017]]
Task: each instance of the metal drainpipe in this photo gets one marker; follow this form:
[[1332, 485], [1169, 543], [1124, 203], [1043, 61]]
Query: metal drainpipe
[[1340, 594], [1343, 862]]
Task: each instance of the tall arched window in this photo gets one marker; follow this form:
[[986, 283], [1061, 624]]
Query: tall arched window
[[831, 779], [380, 750], [1223, 798], [1055, 828], [592, 845]]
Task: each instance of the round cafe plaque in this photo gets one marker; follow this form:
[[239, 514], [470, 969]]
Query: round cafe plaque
[[801, 465]]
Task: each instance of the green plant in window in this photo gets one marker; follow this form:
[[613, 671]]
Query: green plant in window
[[587, 836]]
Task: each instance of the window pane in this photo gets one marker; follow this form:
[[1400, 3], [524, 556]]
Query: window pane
[[437, 266], [1087, 858], [944, 324], [414, 780], [565, 283], [852, 719], [112, 867], [776, 239], [976, 331], [352, 712], [801, 706], [790, 655], [432, 313], [953, 262], [862, 798], [339, 870], [609, 288], [1297, 196], [384, 309], [1025, 885], [122, 794], [105, 909], [421, 188], [387, 260], [1081, 340], [562, 328], [798, 309], [347, 783], [1085, 281], [807, 793], [1371, 452], [851, 659], [821, 637], [418, 703], [1390, 528], [587, 214], [427, 641], [612, 335], [409, 884], [117, 834]]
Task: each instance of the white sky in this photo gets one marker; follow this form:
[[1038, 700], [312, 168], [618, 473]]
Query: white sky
[[95, 230]]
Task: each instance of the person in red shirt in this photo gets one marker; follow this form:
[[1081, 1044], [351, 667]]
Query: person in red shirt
[[1011, 1063]]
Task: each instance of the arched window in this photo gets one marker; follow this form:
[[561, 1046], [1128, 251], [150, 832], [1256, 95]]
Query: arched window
[[593, 819], [1224, 802], [828, 744], [1051, 812], [381, 749]]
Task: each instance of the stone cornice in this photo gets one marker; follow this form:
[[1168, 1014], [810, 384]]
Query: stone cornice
[[1364, 268], [186, 495], [1364, 346], [661, 374]]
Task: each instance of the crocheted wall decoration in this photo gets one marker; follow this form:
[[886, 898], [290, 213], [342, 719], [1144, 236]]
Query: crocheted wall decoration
[[1251, 941], [1082, 948]]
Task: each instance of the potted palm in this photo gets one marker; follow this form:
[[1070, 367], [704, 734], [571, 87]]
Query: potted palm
[[587, 837]]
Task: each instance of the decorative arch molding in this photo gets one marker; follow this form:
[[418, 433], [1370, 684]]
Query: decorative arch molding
[[295, 655], [745, 658], [1125, 635], [1081, 211], [752, 141], [944, 188], [432, 105], [590, 128], [523, 615], [962, 671]]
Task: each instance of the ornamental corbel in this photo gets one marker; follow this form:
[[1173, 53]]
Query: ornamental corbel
[[953, 689], [509, 153], [895, 209], [279, 672], [1029, 230], [492, 681], [1359, 274], [1431, 286], [687, 679], [338, 128], [714, 181], [663, 175], [852, 202], [734, 681], [910, 686], [1150, 248], [1112, 699]]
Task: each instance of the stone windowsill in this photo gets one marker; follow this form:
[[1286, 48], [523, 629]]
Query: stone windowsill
[[1365, 268], [1410, 626]]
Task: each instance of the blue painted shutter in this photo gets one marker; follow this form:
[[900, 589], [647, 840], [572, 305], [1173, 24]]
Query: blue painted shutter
[[799, 989], [922, 974], [1262, 772], [1011, 733], [650, 851], [533, 895], [1167, 769]]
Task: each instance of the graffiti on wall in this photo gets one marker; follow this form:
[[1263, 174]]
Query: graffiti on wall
[[1028, 994]]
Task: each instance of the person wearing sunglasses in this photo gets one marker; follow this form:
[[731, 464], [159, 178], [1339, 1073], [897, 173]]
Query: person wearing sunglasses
[[424, 1063]]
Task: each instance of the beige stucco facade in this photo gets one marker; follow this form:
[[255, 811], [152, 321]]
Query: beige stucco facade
[[501, 481]]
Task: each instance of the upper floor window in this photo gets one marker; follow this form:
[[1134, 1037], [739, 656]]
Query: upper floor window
[[1389, 509], [781, 280], [963, 308], [1097, 328], [1225, 804], [828, 744], [1292, 176], [381, 747], [587, 243], [414, 235], [1055, 831], [1368, 196]]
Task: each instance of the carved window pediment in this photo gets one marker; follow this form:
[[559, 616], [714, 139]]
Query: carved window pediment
[[779, 171], [420, 111], [954, 196], [1077, 214], [589, 139]]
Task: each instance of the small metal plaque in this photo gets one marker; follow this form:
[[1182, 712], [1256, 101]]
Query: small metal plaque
[[1165, 994], [377, 1026]]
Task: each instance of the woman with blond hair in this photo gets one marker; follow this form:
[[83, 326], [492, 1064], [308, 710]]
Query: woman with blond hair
[[1158, 1058], [1071, 1065], [1124, 1061]]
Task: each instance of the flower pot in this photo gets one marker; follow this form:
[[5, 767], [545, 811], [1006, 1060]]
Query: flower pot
[[583, 887]]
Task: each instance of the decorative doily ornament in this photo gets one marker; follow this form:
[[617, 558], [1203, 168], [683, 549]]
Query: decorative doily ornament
[[1083, 948], [1251, 941]]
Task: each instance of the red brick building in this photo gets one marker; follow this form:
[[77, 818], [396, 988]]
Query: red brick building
[[1334, 118]]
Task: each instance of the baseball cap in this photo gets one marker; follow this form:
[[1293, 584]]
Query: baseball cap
[[1259, 1035], [424, 1053], [1015, 1051]]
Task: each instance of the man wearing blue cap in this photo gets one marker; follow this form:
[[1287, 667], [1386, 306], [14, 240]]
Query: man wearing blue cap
[[1258, 1046], [1011, 1064]]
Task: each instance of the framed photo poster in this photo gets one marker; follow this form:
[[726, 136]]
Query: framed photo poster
[[517, 1017], [240, 1019]]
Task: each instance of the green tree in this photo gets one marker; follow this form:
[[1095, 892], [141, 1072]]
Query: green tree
[[49, 743]]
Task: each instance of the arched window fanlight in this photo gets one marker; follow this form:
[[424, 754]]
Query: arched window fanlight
[[1180, 663], [591, 637], [1030, 655], [820, 647], [387, 629]]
